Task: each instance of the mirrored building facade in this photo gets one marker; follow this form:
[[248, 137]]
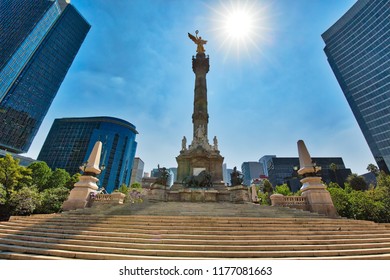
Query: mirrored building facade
[[39, 41], [71, 140], [358, 51]]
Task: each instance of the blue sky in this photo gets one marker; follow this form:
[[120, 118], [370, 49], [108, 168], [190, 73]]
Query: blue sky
[[135, 64]]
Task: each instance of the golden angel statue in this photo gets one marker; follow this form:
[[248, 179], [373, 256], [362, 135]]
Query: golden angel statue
[[198, 41]]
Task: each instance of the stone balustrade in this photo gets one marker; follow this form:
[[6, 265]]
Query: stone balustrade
[[298, 202], [114, 198]]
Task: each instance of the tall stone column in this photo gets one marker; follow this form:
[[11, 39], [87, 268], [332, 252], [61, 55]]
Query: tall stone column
[[200, 117], [200, 155]]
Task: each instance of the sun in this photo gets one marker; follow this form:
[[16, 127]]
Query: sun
[[240, 26]]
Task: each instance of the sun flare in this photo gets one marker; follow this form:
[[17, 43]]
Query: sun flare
[[241, 26]]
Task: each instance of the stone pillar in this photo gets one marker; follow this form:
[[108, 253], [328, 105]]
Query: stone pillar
[[277, 199], [318, 197], [200, 154], [254, 196], [200, 117], [80, 194]]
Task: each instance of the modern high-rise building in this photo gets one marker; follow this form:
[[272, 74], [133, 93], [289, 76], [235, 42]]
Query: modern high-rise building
[[251, 170], [70, 142], [137, 171], [39, 40], [284, 170], [358, 51]]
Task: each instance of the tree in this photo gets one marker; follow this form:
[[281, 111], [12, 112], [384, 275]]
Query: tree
[[10, 174], [3, 199], [24, 201], [333, 167], [58, 179], [340, 198], [357, 182], [267, 187], [40, 174], [123, 189], [52, 200], [283, 189], [73, 180], [136, 185], [373, 169], [268, 190], [383, 189], [370, 205]]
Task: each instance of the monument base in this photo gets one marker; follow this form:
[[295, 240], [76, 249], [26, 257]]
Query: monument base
[[78, 199], [221, 193], [319, 200], [191, 162], [79, 196]]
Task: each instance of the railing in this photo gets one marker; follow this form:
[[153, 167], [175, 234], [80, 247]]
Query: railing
[[115, 198], [103, 197], [298, 202], [294, 200]]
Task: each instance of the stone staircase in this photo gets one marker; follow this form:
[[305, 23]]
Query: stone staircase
[[177, 230]]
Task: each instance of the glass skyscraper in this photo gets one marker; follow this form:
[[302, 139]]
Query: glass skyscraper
[[358, 51], [39, 40], [71, 140]]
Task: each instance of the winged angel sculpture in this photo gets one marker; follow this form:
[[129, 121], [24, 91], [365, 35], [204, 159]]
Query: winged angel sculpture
[[198, 41]]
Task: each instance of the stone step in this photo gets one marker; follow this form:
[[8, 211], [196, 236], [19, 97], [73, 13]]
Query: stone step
[[203, 209], [220, 246], [124, 253], [172, 231], [21, 256], [190, 231], [184, 219], [204, 226], [200, 239]]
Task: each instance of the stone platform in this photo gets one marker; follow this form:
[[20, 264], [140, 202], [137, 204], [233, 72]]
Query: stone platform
[[219, 193], [183, 230]]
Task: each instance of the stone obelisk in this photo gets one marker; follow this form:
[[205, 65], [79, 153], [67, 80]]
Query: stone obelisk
[[79, 195], [200, 155], [313, 189]]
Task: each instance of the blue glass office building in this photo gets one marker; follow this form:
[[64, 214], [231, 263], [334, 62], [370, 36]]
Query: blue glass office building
[[70, 142], [39, 40], [358, 51]]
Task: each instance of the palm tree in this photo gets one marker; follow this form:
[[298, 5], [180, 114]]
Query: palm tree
[[373, 169], [333, 167]]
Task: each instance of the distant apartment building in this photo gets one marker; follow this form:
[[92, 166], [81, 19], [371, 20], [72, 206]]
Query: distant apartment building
[[23, 161], [137, 170], [226, 174], [70, 142], [38, 43], [251, 170], [358, 51], [283, 170]]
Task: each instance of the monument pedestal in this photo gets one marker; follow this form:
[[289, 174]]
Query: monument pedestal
[[191, 162], [239, 194], [318, 198], [79, 196]]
